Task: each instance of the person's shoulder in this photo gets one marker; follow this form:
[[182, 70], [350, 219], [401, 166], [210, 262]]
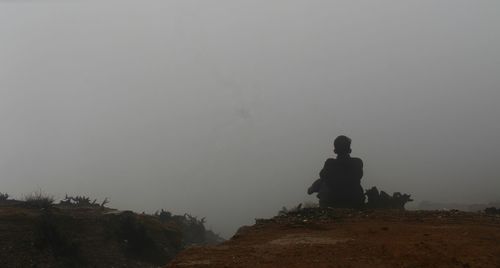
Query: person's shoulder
[[357, 161], [330, 161]]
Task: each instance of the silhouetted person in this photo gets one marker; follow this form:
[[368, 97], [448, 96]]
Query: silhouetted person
[[339, 183]]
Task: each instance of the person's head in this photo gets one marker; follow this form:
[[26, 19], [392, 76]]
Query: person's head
[[342, 145]]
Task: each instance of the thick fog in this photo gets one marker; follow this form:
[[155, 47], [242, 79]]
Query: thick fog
[[228, 109]]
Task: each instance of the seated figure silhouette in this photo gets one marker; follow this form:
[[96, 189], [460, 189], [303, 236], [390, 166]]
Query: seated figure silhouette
[[339, 183]]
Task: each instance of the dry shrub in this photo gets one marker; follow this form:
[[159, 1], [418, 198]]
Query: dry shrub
[[39, 199], [4, 196]]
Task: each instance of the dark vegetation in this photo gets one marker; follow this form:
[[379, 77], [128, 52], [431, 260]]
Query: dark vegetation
[[81, 232], [52, 236], [193, 229], [143, 237], [4, 197], [492, 211], [39, 199], [82, 201], [382, 200]]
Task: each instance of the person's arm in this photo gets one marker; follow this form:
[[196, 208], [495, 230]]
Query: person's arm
[[324, 172], [359, 169], [315, 187]]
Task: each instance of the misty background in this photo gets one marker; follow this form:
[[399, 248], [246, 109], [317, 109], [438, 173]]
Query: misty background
[[228, 109]]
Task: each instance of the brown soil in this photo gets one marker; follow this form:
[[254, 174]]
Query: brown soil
[[343, 238]]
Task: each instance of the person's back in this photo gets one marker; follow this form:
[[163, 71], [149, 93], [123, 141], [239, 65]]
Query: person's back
[[342, 176]]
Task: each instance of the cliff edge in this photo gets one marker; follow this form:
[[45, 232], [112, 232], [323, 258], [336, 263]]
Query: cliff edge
[[315, 237]]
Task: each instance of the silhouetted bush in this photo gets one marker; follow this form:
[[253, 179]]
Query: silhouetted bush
[[82, 201], [78, 201], [193, 229], [212, 238], [38, 199], [4, 196], [382, 200], [163, 215], [492, 211], [137, 242], [284, 210]]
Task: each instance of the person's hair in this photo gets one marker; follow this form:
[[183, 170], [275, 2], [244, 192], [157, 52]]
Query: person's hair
[[342, 145]]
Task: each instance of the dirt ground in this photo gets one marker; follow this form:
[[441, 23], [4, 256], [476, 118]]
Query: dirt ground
[[358, 239]]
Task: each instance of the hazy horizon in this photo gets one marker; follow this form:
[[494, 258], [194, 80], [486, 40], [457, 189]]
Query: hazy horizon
[[228, 109]]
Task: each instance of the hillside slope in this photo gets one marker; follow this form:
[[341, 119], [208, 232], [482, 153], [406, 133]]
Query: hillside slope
[[344, 238], [92, 236]]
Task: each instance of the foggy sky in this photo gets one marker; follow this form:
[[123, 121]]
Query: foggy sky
[[228, 109]]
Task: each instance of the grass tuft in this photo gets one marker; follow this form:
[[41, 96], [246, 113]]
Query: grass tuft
[[39, 199]]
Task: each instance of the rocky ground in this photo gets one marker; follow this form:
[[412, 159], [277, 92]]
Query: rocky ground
[[315, 237]]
